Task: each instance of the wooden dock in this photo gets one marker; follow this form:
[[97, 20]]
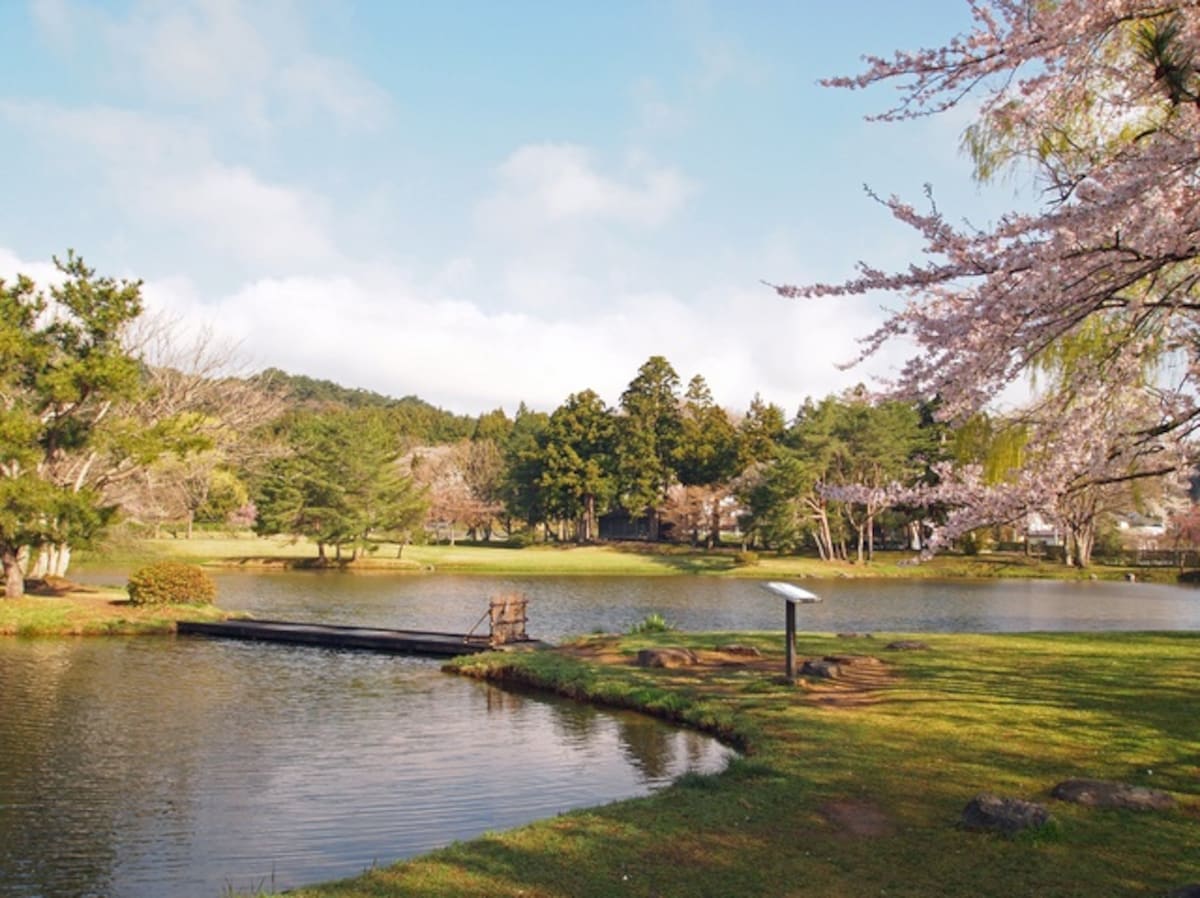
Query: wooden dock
[[375, 639]]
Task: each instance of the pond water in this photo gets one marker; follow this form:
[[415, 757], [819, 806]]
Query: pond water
[[563, 606], [188, 767]]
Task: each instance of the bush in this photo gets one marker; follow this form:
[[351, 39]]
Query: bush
[[651, 623], [171, 583], [522, 539], [745, 558]]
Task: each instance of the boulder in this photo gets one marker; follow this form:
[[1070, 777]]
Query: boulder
[[826, 670], [1105, 794], [666, 657], [908, 645], [992, 813]]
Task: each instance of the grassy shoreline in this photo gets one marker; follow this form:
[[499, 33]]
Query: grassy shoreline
[[641, 560], [94, 611], [854, 788]]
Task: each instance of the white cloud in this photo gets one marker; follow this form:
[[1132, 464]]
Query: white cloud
[[232, 210], [388, 334], [43, 273], [550, 185], [378, 329], [164, 171]]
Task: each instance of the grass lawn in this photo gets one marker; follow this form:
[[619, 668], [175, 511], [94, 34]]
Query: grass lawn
[[854, 787], [87, 611], [624, 559]]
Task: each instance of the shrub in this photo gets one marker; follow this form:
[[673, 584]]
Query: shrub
[[171, 583], [745, 558], [651, 623]]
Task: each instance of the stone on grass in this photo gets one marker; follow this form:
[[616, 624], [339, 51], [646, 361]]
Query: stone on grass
[[744, 651], [666, 657], [1105, 794], [992, 813], [908, 645], [826, 670]]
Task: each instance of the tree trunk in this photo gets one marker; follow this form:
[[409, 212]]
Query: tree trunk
[[1085, 541], [41, 567], [321, 551], [14, 572], [64, 560], [589, 519], [191, 519]]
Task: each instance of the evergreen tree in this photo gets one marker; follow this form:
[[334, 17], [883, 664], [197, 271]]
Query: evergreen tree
[[340, 484], [578, 463], [648, 438], [62, 367]]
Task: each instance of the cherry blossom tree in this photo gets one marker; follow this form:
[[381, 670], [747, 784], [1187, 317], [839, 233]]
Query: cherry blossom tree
[[1100, 100]]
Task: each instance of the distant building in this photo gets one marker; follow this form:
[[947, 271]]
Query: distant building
[[1040, 532]]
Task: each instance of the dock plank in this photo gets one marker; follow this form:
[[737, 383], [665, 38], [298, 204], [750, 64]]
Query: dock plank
[[376, 639]]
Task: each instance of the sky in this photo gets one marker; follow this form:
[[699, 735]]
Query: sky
[[481, 203]]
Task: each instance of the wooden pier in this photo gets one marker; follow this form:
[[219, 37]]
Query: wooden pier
[[506, 629], [375, 639]]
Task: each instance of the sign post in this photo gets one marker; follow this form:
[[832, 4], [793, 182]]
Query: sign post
[[792, 596]]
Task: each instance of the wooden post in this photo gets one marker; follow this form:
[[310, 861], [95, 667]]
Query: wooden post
[[791, 639]]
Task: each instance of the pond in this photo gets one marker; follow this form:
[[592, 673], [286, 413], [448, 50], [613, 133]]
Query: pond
[[563, 606], [187, 767]]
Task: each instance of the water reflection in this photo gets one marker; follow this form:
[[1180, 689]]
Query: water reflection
[[162, 767]]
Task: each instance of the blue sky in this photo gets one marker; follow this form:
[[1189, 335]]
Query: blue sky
[[479, 203]]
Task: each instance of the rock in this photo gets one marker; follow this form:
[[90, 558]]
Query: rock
[[1131, 578], [666, 657], [855, 635], [992, 813], [825, 669], [853, 660], [908, 645], [744, 651], [1104, 794]]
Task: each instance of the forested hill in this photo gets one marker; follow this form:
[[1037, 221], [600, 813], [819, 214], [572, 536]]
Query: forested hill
[[413, 417]]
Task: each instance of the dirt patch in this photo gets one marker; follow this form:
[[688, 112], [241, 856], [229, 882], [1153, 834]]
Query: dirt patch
[[860, 819], [862, 682]]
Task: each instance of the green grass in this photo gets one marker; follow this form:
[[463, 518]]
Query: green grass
[[625, 559], [1011, 714], [94, 612]]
